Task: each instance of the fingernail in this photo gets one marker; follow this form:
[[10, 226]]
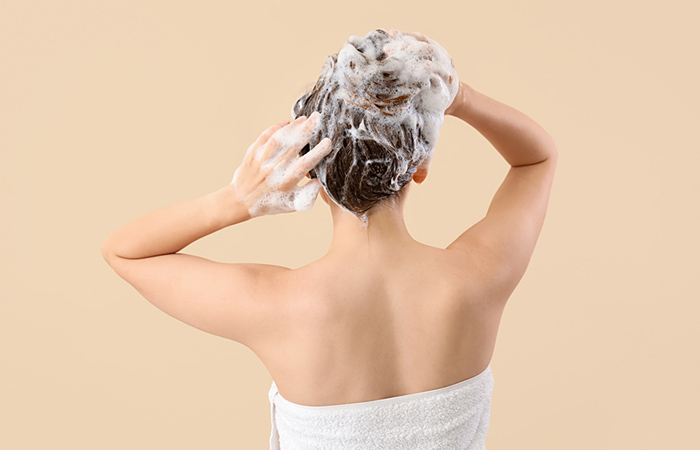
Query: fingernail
[[315, 115]]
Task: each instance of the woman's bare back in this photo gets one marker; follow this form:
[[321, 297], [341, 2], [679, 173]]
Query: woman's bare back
[[400, 322]]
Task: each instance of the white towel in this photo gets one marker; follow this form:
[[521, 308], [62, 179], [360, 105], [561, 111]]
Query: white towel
[[454, 417]]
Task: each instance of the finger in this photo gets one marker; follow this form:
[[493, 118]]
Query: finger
[[286, 142], [263, 138], [307, 122], [265, 135], [303, 165], [269, 150], [417, 35], [305, 196], [304, 130], [299, 120]]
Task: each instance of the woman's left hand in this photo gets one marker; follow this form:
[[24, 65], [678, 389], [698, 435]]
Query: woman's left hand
[[266, 181]]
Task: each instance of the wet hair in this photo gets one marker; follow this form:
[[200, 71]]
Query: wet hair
[[375, 110]]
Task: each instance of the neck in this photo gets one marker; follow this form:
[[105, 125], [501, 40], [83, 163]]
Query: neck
[[384, 232]]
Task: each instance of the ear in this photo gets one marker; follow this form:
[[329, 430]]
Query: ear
[[421, 172]]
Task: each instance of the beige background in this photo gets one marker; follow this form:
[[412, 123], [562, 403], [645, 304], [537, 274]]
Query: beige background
[[109, 110]]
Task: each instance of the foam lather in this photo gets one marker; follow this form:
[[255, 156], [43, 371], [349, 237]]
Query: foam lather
[[277, 200], [391, 80]]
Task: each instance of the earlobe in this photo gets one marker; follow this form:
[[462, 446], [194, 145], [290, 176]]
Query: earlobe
[[420, 175], [421, 172]]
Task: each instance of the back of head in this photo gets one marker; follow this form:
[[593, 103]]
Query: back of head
[[382, 99]]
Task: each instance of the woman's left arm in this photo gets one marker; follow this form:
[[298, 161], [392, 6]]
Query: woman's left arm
[[227, 300]]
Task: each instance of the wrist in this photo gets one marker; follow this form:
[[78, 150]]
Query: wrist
[[228, 209], [463, 101]]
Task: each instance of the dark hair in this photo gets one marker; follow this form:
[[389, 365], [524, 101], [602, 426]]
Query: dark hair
[[374, 154]]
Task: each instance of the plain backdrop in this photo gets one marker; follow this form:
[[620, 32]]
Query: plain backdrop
[[111, 109]]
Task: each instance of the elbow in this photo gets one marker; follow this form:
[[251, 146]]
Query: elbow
[[551, 148], [553, 155], [107, 250]]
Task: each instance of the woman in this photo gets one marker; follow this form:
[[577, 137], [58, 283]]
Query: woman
[[384, 342]]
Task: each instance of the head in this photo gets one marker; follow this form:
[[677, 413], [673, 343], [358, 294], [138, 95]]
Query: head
[[382, 100]]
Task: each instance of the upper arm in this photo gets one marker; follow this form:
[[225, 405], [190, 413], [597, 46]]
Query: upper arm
[[504, 240], [227, 300]]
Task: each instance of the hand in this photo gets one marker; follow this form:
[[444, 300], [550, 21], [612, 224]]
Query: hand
[[448, 75], [415, 34], [266, 181]]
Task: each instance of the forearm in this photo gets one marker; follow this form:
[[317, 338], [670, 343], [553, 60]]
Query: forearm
[[518, 138], [172, 228]]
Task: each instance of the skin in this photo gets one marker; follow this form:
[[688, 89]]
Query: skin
[[380, 314]]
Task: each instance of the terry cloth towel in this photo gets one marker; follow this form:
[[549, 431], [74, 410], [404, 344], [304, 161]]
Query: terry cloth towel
[[454, 417]]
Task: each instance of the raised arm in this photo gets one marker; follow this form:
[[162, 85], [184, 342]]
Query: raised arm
[[500, 245]]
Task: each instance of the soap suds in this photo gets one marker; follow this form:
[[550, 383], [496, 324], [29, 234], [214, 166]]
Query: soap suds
[[285, 167], [383, 89]]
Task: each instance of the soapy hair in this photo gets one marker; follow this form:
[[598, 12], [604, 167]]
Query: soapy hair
[[381, 115]]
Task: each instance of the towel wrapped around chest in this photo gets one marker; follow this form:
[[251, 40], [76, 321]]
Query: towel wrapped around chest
[[454, 417]]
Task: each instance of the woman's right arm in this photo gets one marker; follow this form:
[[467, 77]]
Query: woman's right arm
[[501, 244]]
